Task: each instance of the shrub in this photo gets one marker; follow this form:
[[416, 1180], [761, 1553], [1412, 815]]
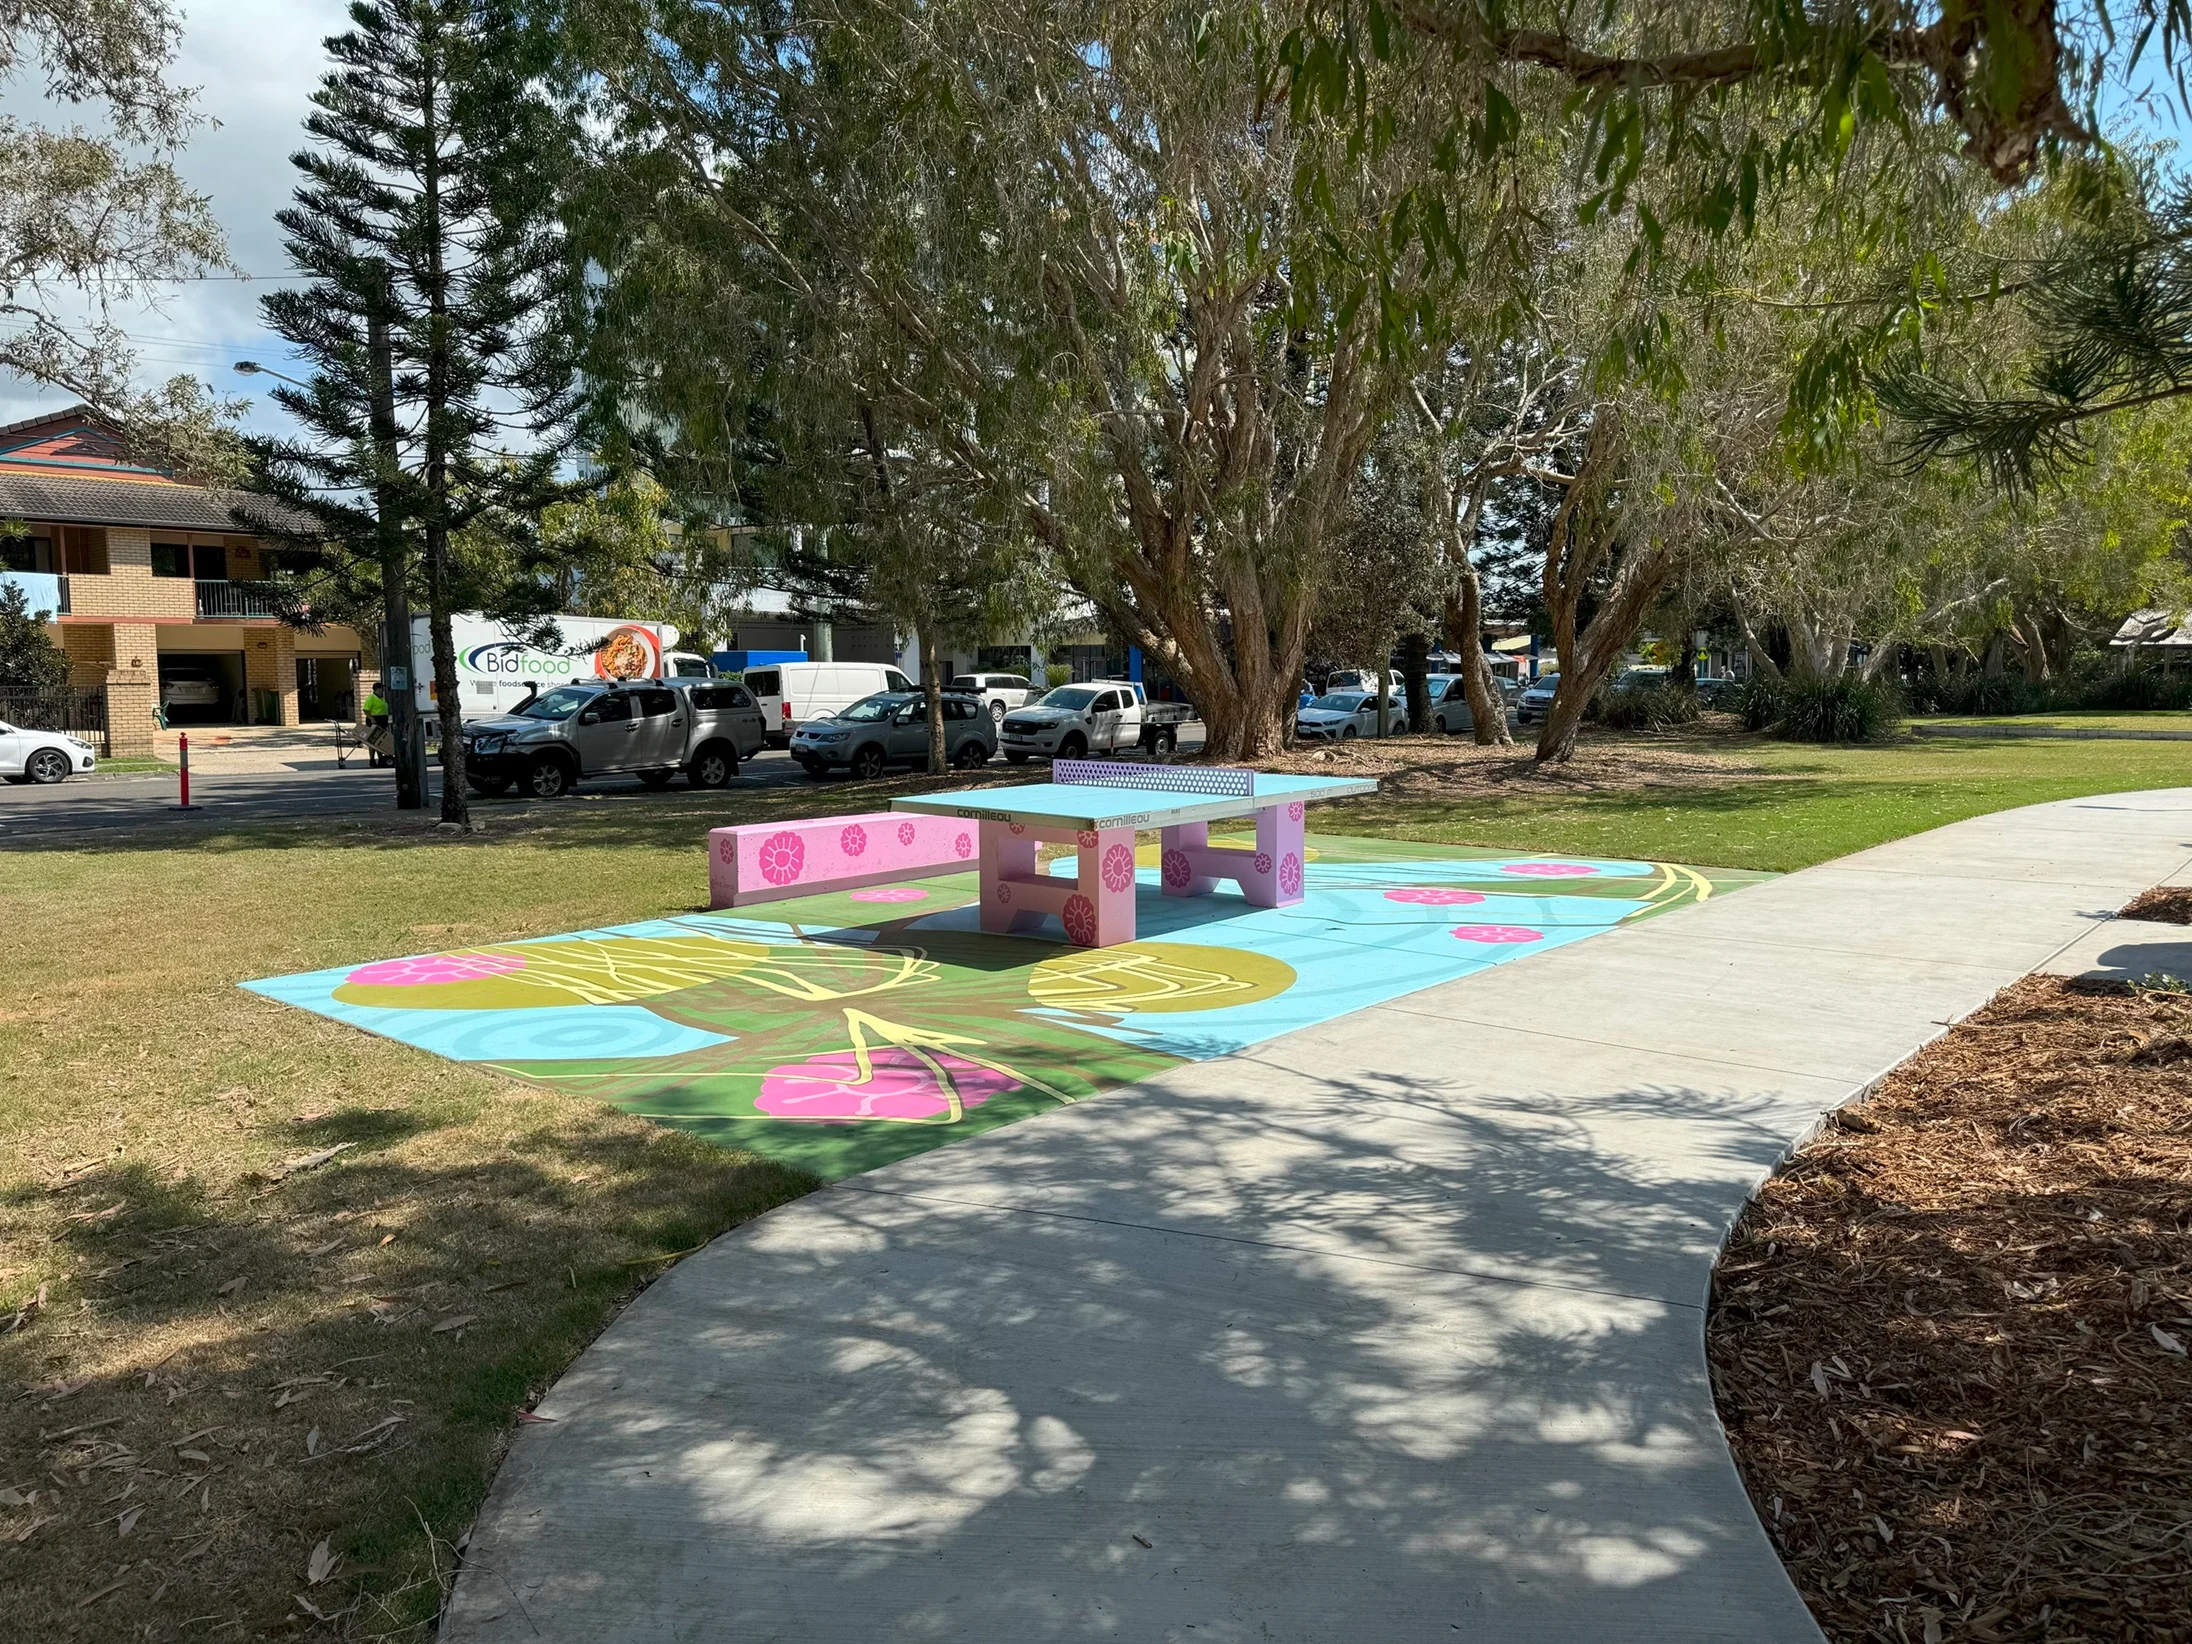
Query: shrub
[[2138, 689], [1758, 700], [1650, 708], [1848, 709]]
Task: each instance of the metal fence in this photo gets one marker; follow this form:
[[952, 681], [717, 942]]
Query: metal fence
[[80, 713]]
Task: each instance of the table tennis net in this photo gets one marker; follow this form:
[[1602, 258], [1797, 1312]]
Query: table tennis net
[[1215, 781]]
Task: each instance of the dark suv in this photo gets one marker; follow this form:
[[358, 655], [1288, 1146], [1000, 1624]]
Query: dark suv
[[892, 728]]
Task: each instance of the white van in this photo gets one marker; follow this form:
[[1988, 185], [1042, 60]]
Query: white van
[[792, 693]]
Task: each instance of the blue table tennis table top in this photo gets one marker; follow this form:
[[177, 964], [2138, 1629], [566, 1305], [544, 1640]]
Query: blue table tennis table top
[[1093, 805]]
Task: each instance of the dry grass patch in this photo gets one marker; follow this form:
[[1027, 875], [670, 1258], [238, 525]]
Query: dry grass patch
[[274, 1293], [1949, 1339]]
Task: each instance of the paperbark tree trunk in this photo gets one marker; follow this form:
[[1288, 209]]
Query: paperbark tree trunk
[[1584, 665], [1580, 545], [1465, 627]]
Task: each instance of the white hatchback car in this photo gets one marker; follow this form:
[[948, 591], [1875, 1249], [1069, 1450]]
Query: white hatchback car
[[42, 756], [1341, 716]]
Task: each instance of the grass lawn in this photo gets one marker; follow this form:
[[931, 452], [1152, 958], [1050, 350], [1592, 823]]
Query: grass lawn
[[267, 1282], [2078, 719], [1748, 803]]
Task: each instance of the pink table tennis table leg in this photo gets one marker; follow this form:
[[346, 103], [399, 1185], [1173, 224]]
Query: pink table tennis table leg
[[1270, 876], [1096, 906]]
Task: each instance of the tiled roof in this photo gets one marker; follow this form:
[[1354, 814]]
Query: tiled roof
[[70, 500]]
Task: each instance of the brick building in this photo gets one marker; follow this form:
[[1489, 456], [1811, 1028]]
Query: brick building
[[155, 590]]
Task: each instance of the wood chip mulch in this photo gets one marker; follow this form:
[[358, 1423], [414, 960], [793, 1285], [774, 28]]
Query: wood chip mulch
[[2165, 904], [1949, 1339]]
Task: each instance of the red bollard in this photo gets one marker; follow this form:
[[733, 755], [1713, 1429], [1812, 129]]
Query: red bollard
[[183, 744]]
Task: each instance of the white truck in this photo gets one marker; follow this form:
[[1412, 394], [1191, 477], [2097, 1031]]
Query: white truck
[[497, 672], [1100, 716]]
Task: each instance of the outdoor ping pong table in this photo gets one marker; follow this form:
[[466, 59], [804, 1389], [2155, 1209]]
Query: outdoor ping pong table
[[1096, 805]]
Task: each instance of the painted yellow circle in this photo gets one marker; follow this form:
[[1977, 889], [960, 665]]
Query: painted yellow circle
[[1157, 976]]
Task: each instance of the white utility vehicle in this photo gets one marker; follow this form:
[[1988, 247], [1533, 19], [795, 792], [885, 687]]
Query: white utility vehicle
[[1100, 716]]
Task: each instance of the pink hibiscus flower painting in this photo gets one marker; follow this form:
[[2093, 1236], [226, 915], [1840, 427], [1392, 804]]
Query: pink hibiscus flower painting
[[828, 1088], [1498, 934], [430, 969]]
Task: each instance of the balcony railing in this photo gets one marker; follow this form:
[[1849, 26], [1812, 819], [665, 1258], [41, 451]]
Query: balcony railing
[[235, 599], [44, 590]]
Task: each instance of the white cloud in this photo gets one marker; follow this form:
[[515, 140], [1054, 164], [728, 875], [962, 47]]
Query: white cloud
[[255, 63]]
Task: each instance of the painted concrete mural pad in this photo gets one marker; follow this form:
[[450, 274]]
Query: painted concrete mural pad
[[841, 1031]]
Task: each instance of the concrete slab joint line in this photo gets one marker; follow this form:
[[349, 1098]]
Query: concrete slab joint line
[[1390, 1329]]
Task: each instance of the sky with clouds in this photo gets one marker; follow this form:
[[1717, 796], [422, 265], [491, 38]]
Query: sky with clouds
[[255, 62]]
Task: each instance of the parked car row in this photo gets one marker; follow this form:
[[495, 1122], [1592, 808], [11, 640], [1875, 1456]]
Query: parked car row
[[649, 728], [1340, 715]]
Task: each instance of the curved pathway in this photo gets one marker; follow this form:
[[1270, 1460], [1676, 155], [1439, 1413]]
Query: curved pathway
[[1388, 1330]]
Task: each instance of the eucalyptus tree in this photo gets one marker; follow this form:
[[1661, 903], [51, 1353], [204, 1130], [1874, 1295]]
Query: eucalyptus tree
[[1063, 243]]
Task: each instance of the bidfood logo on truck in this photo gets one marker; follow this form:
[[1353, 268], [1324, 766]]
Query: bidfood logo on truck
[[628, 652], [510, 660]]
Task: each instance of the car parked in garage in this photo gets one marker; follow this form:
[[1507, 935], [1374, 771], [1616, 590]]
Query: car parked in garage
[[892, 728], [648, 728], [43, 757]]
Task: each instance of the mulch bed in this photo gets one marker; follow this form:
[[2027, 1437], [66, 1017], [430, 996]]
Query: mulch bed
[[1949, 1340], [2165, 904]]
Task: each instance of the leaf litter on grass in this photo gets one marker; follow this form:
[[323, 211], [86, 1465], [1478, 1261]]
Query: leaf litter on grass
[[1941, 1336]]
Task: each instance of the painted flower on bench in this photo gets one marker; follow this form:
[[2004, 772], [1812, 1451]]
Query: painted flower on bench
[[853, 839], [782, 855], [897, 1085]]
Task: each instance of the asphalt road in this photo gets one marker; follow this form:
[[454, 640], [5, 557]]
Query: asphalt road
[[146, 801]]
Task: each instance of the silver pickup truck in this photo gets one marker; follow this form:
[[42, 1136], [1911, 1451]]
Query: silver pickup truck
[[648, 728]]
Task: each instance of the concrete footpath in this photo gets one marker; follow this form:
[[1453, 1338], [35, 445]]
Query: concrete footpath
[[1388, 1330]]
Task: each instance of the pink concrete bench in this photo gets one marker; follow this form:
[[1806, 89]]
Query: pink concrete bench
[[769, 861]]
